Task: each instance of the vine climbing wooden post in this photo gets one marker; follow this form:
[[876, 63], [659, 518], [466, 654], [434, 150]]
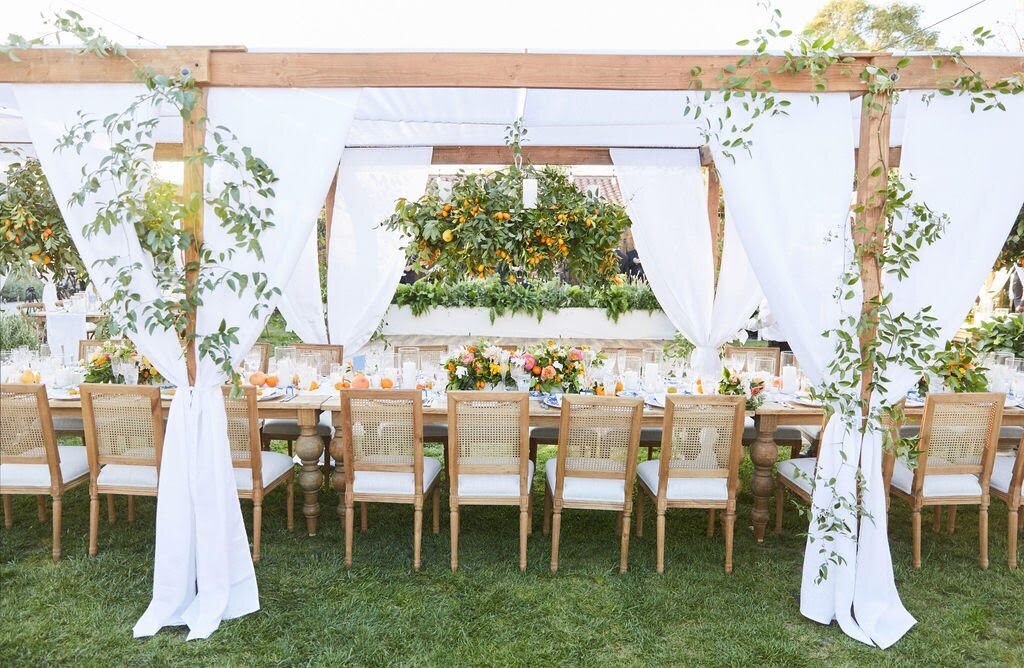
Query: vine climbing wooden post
[[192, 195], [869, 222]]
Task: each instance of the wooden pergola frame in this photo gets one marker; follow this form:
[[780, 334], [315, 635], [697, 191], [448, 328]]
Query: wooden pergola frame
[[237, 67]]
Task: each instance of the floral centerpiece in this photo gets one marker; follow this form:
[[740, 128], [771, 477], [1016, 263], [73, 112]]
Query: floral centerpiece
[[555, 366], [478, 366], [99, 368], [743, 385]]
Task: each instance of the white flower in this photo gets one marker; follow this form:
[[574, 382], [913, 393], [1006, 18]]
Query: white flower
[[557, 365], [461, 371], [493, 353]]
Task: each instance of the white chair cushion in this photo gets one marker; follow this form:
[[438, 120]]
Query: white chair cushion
[[956, 484], [1002, 471], [602, 490], [127, 475], [683, 489], [275, 465], [810, 433], [73, 465], [479, 484], [390, 482], [799, 471]]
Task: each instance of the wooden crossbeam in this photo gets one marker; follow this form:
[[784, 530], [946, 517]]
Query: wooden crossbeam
[[235, 67]]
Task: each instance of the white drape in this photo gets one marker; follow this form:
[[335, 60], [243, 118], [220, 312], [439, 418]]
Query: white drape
[[203, 571], [366, 261], [666, 198], [63, 332], [302, 305], [980, 191], [48, 110], [200, 533], [790, 198]]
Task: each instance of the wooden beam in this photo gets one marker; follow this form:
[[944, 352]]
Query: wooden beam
[[869, 224], [714, 199], [232, 67], [895, 153], [501, 155], [45, 65], [329, 212], [193, 134]]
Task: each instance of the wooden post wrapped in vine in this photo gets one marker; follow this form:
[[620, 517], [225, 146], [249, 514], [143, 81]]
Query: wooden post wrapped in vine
[[193, 141]]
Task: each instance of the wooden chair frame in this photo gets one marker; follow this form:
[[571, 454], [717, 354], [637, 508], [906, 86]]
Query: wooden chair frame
[[555, 502], [521, 469], [916, 497], [665, 472], [255, 465], [264, 350], [98, 460], [414, 397], [1015, 503], [335, 351], [52, 460], [86, 345]]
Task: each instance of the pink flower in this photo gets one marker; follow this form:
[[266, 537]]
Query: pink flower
[[467, 358], [529, 361], [547, 373], [576, 354]]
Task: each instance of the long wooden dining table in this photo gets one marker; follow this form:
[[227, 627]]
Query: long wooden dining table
[[306, 408]]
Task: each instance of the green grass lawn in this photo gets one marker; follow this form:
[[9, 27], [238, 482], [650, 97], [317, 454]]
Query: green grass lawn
[[81, 611]]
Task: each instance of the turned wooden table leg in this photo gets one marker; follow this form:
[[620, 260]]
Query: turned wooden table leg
[[763, 453], [309, 447]]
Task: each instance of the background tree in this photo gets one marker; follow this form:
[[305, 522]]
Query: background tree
[[858, 25]]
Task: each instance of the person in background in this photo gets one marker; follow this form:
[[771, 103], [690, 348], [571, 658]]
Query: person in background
[[1017, 290]]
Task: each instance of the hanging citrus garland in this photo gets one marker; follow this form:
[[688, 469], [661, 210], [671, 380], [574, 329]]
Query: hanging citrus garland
[[482, 228]]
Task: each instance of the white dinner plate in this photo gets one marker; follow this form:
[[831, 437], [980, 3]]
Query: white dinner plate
[[63, 393], [806, 401], [553, 401], [655, 401], [269, 393]]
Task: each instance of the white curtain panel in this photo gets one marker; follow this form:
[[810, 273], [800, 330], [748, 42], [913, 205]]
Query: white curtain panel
[[970, 167], [790, 197], [203, 570], [63, 332], [49, 109], [366, 260], [666, 198], [302, 305]]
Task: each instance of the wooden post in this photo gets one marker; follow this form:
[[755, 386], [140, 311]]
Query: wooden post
[[869, 223], [192, 194], [714, 198], [329, 213]]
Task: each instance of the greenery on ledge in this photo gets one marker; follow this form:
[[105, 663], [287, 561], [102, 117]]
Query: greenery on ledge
[[501, 298]]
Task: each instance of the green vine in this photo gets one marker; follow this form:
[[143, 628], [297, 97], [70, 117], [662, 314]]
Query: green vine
[[141, 202]]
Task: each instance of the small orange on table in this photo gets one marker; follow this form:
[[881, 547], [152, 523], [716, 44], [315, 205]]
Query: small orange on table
[[257, 379], [361, 382], [386, 383]]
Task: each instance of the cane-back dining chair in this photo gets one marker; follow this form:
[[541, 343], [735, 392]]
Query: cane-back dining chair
[[86, 348], [489, 457], [256, 472], [31, 462], [596, 464], [752, 353], [283, 429], [1007, 483], [699, 465], [957, 446], [796, 476], [383, 457], [124, 438]]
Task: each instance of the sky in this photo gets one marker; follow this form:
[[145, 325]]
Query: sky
[[480, 25]]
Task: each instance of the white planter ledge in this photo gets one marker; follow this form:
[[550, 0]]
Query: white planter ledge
[[568, 323]]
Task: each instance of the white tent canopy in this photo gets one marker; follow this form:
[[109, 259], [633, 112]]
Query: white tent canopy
[[479, 117]]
